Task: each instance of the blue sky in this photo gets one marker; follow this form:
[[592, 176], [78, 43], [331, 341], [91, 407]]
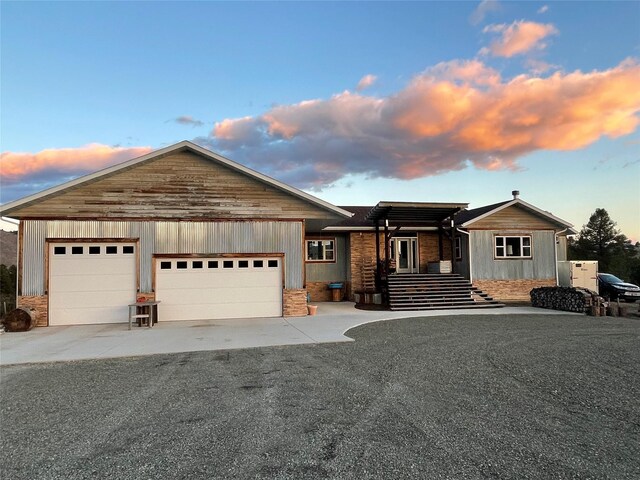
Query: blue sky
[[465, 101]]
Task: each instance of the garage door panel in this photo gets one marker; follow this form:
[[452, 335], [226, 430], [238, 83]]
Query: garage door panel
[[195, 279], [208, 293], [220, 295], [222, 311], [90, 283], [78, 266], [91, 315], [93, 299]]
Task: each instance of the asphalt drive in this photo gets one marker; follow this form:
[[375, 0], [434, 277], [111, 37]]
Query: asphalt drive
[[527, 396]]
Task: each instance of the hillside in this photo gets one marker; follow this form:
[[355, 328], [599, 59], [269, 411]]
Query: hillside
[[8, 248]]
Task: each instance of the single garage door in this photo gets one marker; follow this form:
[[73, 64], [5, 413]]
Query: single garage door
[[212, 288], [91, 282]]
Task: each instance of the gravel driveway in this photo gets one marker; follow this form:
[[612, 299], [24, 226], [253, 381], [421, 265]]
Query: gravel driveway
[[529, 396]]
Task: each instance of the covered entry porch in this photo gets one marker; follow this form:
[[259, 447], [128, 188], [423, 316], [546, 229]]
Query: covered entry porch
[[415, 257]]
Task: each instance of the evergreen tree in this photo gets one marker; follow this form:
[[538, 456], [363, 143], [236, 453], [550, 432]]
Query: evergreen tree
[[600, 240]]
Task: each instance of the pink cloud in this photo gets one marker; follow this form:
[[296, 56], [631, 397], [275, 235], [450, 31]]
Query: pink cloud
[[24, 173], [451, 114], [518, 38], [365, 82]]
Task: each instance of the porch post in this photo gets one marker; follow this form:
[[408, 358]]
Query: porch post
[[453, 247], [440, 246], [378, 273], [386, 260]]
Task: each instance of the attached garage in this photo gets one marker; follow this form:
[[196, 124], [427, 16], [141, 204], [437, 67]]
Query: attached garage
[[91, 282], [195, 288], [166, 216]]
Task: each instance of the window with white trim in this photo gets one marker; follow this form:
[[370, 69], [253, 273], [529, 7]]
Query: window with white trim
[[458, 248], [321, 250], [512, 246]]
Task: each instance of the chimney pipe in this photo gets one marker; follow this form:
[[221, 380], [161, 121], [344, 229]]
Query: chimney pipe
[[515, 194]]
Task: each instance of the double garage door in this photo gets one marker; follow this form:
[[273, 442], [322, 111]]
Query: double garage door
[[214, 287], [92, 283]]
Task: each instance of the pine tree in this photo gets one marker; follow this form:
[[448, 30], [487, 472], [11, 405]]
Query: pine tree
[[600, 240]]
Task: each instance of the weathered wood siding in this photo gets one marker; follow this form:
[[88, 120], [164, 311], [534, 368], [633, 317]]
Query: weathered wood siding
[[330, 272], [182, 185], [514, 217], [167, 237], [485, 267]]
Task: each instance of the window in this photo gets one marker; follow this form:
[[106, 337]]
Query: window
[[513, 247], [128, 249], [272, 263], [112, 250], [227, 264], [93, 250], [181, 265], [212, 264], [243, 264], [196, 264], [321, 250], [258, 264], [59, 250], [458, 248], [165, 265]]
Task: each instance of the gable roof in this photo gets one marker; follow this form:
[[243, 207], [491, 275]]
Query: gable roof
[[185, 145], [469, 217]]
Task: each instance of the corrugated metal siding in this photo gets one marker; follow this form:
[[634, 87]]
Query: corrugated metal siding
[[542, 265], [33, 257], [331, 272], [167, 237], [562, 248]]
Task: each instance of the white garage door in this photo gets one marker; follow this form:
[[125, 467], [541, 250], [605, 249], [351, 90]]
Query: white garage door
[[211, 288], [91, 282]]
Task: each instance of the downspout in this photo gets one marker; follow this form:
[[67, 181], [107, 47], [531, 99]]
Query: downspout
[[555, 249], [469, 252]]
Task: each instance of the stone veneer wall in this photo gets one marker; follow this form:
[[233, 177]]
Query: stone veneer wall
[[319, 291], [39, 304], [429, 250], [294, 302], [512, 290]]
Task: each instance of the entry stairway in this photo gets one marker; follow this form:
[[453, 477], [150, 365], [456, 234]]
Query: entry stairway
[[435, 292]]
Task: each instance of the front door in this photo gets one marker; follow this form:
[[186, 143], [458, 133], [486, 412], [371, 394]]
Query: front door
[[404, 252]]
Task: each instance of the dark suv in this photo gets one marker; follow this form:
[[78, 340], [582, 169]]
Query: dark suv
[[612, 287]]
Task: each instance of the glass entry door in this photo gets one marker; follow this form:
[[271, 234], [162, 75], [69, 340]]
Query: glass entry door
[[405, 253]]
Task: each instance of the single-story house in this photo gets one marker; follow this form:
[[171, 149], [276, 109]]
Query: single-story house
[[210, 238]]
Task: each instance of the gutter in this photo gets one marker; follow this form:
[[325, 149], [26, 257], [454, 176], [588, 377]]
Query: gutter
[[555, 250]]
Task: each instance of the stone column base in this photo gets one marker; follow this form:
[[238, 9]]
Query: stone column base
[[294, 302], [40, 306]]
